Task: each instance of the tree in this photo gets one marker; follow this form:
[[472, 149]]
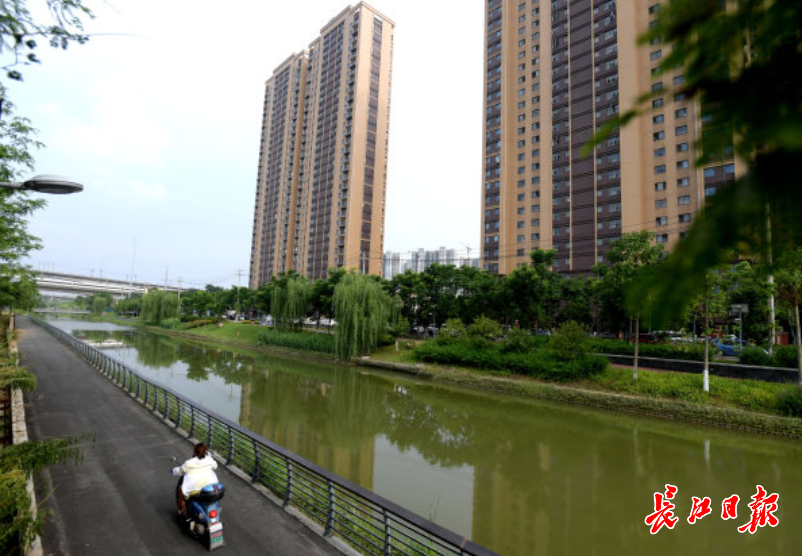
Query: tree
[[789, 290], [16, 142], [291, 293], [363, 311], [710, 304], [323, 293], [735, 58], [157, 306], [20, 28], [631, 256]]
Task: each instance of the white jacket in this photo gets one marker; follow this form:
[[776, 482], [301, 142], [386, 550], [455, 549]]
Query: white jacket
[[198, 473]]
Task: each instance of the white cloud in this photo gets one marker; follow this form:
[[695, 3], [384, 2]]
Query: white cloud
[[151, 190]]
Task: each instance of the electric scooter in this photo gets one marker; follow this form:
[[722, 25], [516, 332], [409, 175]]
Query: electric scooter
[[203, 511]]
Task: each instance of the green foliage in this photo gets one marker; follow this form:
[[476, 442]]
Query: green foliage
[[570, 341], [98, 306], [18, 463], [363, 311], [789, 402], [20, 28], [307, 341], [451, 331], [157, 306], [685, 352], [484, 331], [782, 356], [540, 363], [17, 377], [170, 324], [290, 301], [517, 340]]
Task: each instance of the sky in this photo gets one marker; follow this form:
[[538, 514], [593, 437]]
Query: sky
[[159, 116]]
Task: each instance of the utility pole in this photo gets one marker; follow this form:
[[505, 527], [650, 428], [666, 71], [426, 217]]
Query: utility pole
[[131, 276], [769, 260], [166, 270], [239, 277]]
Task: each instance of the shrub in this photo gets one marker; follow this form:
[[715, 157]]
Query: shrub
[[685, 352], [170, 323], [789, 402], [484, 331], [542, 363], [756, 356], [452, 330], [516, 341], [570, 341], [783, 356]]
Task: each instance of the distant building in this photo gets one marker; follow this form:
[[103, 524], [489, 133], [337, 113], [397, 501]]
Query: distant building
[[420, 260], [321, 182]]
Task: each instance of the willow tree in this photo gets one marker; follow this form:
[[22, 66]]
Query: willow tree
[[363, 311], [290, 300]]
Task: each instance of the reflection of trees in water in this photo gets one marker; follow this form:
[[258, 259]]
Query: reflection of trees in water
[[335, 405]]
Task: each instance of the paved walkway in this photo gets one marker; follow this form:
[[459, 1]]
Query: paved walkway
[[120, 500]]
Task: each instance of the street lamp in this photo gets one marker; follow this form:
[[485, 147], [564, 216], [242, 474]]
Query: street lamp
[[46, 183]]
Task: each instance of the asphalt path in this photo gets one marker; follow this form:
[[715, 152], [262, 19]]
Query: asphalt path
[[120, 500]]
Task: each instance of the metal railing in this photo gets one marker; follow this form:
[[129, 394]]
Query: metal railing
[[364, 520]]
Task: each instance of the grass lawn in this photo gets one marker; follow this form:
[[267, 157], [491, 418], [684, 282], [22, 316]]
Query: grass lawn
[[229, 331]]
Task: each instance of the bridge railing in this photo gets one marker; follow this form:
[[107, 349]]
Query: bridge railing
[[364, 520]]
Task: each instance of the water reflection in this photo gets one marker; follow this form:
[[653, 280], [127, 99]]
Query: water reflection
[[520, 477]]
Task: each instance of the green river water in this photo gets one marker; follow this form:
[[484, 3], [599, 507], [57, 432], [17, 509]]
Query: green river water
[[521, 477]]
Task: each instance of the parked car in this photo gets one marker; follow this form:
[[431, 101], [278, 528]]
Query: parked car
[[646, 339], [730, 348]]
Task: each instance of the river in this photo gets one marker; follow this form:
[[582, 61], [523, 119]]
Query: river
[[521, 477]]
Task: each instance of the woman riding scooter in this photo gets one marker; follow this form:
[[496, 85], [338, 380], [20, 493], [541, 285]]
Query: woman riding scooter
[[196, 473]]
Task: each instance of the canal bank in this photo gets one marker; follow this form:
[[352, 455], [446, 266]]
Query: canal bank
[[513, 473], [581, 395]]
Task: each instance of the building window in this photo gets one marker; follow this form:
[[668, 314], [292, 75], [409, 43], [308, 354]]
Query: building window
[[656, 55], [658, 119], [682, 147], [660, 169], [683, 164], [682, 130], [659, 135], [520, 238], [662, 238], [681, 113], [661, 221], [520, 210], [660, 186], [660, 203], [684, 200], [535, 237], [535, 222], [660, 152], [683, 182], [710, 172], [686, 217], [657, 103], [521, 196], [519, 224]]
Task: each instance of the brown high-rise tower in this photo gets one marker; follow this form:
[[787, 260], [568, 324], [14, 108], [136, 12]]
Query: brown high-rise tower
[[320, 196], [555, 72]]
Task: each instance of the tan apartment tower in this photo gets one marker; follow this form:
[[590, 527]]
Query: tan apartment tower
[[555, 72], [320, 195]]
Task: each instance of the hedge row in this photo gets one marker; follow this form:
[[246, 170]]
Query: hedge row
[[542, 363], [309, 341], [685, 352], [782, 356]]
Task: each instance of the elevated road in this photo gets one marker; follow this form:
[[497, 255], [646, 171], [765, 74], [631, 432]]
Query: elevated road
[[120, 500], [59, 282]]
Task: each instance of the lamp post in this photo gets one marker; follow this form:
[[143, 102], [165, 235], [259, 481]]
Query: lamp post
[[46, 183]]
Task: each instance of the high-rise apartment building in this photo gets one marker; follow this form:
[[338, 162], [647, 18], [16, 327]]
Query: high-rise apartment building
[[323, 159], [555, 72]]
